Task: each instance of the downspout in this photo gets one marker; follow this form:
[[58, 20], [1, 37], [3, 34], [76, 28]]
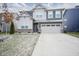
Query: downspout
[[63, 20]]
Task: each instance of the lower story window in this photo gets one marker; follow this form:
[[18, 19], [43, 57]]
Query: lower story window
[[24, 27]]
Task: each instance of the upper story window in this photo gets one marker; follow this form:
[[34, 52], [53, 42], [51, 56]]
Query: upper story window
[[38, 16], [50, 14], [58, 14], [24, 16]]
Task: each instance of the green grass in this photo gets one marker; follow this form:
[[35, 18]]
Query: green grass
[[4, 32], [76, 34]]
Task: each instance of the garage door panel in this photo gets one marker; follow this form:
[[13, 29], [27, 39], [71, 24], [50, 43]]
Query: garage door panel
[[51, 28]]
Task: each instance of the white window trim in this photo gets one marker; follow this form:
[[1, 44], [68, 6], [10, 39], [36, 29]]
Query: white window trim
[[50, 13], [57, 13]]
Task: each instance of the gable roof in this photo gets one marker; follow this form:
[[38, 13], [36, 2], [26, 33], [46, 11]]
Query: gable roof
[[24, 13], [39, 6]]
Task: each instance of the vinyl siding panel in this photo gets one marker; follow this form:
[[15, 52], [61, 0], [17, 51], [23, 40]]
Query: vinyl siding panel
[[41, 12], [24, 22], [71, 21]]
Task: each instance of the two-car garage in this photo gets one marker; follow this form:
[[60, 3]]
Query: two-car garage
[[51, 28]]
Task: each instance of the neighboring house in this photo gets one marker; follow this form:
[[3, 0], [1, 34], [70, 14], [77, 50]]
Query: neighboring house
[[71, 20], [2, 23], [24, 22]]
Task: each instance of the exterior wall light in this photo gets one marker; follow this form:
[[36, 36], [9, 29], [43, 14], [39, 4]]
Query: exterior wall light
[[65, 26], [65, 19]]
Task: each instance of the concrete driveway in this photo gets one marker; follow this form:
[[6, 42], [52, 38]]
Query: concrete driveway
[[57, 44]]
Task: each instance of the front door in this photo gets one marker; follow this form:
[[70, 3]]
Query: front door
[[35, 27]]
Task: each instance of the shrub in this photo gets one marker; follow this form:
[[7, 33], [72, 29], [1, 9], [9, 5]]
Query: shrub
[[65, 31], [12, 28]]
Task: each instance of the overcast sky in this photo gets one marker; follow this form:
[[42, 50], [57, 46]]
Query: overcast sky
[[29, 6]]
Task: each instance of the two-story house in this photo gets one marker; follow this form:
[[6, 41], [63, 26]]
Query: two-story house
[[47, 20]]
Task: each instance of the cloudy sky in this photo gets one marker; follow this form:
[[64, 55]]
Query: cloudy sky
[[29, 6]]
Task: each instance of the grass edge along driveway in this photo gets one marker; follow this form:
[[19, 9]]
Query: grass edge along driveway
[[75, 34]]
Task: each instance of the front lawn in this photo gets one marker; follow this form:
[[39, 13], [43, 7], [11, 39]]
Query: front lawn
[[76, 34], [18, 45]]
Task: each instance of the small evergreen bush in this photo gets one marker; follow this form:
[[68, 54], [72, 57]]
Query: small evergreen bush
[[12, 28]]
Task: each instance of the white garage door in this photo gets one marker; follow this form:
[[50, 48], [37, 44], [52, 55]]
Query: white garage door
[[51, 28]]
